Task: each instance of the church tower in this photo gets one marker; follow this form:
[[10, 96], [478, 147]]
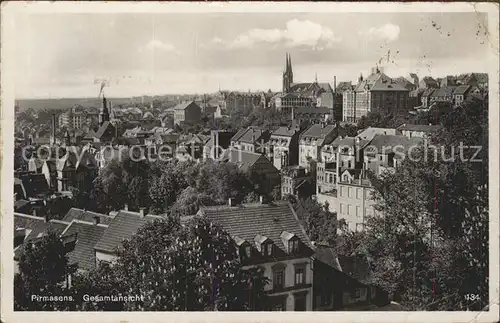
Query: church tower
[[287, 74], [104, 113]]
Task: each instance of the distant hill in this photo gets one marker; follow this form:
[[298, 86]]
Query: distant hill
[[25, 104]]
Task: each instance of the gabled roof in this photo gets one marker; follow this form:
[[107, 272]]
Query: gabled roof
[[88, 234], [370, 132], [184, 105], [443, 91], [419, 127], [103, 128], [248, 135], [461, 89], [122, 227], [317, 131], [248, 221], [42, 228], [26, 221], [244, 159], [84, 215], [284, 132]]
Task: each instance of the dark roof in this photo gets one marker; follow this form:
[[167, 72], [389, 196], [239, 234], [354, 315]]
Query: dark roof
[[444, 91], [103, 129], [356, 267], [42, 228], [461, 89], [26, 221], [184, 105], [419, 127], [244, 159], [284, 131], [317, 131], [387, 143], [34, 184], [87, 236], [20, 204], [248, 135], [122, 227], [84, 215], [249, 220], [327, 255]]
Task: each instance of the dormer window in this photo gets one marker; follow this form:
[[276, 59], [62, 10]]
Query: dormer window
[[293, 246], [248, 251]]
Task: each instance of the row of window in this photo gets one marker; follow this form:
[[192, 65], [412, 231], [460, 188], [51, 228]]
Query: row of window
[[279, 277], [349, 192], [348, 209]]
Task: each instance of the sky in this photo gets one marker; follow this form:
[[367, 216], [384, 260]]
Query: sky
[[67, 54]]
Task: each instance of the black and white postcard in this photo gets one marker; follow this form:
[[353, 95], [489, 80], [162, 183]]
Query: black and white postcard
[[170, 160]]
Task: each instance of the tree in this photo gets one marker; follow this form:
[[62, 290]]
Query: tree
[[192, 268], [319, 223], [430, 246], [43, 270]]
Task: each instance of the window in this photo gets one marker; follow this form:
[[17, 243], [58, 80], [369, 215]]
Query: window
[[357, 293], [326, 298], [358, 210], [300, 276], [248, 251], [293, 245], [349, 192], [279, 278], [358, 193], [381, 157], [269, 249], [349, 209], [342, 208], [342, 191]]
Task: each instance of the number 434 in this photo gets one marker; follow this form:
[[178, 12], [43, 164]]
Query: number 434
[[471, 297]]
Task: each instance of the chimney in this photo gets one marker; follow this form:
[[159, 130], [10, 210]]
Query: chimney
[[125, 207], [141, 212], [97, 220], [262, 199], [335, 84], [232, 201]]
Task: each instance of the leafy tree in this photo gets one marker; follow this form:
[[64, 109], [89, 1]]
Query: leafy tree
[[181, 268], [319, 223], [43, 270]]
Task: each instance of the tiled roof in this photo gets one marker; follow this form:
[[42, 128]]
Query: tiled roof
[[284, 132], [34, 184], [42, 228], [103, 129], [248, 221], [461, 89], [317, 131], [428, 92], [419, 127], [370, 132], [244, 159], [122, 227], [387, 143], [84, 215], [443, 91], [184, 105], [248, 135], [327, 255], [20, 203], [342, 86], [26, 221], [87, 236]]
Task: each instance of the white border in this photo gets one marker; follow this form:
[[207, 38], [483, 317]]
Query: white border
[[8, 11]]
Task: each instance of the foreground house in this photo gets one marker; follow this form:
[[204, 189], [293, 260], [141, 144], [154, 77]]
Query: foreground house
[[271, 236]]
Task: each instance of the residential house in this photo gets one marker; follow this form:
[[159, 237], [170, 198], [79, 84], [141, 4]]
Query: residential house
[[428, 82], [370, 132], [270, 236], [379, 93], [124, 225], [443, 94], [354, 199], [312, 140], [260, 170], [426, 97], [460, 94], [252, 139], [295, 181], [417, 130], [187, 112], [448, 81], [284, 144], [219, 141], [77, 168], [341, 283]]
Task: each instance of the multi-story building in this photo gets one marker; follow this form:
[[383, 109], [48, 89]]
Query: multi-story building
[[295, 181], [379, 93], [349, 104], [251, 139], [312, 140], [284, 144], [187, 112], [242, 101], [270, 236], [260, 170]]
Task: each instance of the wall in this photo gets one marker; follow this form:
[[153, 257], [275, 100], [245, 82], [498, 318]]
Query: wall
[[354, 204], [290, 281], [330, 199]]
